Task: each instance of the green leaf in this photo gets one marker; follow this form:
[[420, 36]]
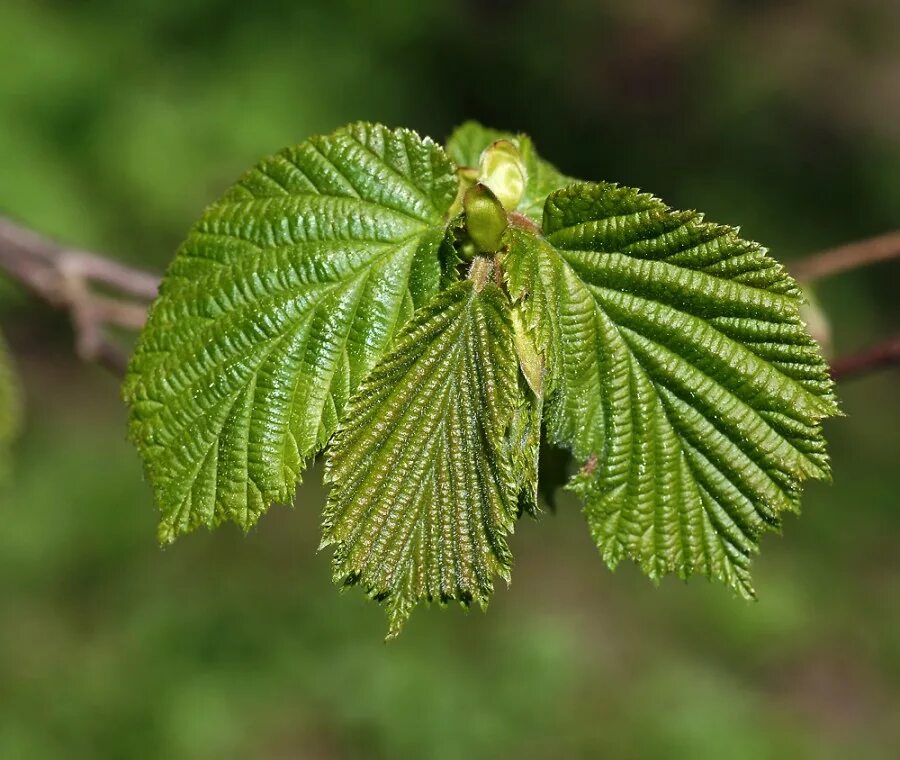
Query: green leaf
[[283, 297], [322, 294], [424, 486], [524, 442], [467, 143], [485, 218], [525, 432], [678, 370]]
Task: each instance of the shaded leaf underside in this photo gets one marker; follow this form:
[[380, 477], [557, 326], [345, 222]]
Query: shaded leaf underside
[[282, 298], [424, 492]]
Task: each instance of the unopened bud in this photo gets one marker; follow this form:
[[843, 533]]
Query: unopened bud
[[503, 170], [485, 218]]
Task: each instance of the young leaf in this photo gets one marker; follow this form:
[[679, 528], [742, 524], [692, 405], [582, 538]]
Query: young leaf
[[665, 352], [485, 218], [553, 304], [524, 441], [424, 488], [283, 297], [679, 370], [525, 431], [468, 142]]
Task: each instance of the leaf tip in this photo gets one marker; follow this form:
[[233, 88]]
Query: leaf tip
[[165, 534]]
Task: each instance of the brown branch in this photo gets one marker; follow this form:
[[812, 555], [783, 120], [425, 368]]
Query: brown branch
[[845, 257], [880, 356], [65, 278]]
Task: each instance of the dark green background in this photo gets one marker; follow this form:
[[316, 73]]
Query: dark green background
[[120, 120]]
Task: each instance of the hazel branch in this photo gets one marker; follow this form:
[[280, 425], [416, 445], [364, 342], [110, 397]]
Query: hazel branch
[[68, 279]]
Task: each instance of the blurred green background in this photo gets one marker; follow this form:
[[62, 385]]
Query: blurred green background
[[119, 121]]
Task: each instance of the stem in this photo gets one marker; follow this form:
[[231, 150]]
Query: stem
[[480, 271], [523, 222], [880, 356], [845, 257], [63, 277]]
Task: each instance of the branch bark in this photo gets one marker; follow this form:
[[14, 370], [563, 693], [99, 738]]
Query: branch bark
[[67, 278], [880, 356], [818, 266]]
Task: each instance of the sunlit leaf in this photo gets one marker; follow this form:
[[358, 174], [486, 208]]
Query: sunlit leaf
[[679, 372], [327, 292], [278, 304]]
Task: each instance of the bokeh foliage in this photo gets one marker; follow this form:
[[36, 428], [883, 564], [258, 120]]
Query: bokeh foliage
[[119, 121]]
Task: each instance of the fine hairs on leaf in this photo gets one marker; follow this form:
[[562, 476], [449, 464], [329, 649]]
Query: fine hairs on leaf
[[423, 491], [425, 315], [281, 300]]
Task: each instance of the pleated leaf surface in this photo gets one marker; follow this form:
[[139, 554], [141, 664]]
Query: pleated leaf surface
[[424, 484], [280, 301], [678, 371]]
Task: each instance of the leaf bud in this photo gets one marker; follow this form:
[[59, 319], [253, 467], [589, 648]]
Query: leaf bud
[[503, 171], [485, 218]]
